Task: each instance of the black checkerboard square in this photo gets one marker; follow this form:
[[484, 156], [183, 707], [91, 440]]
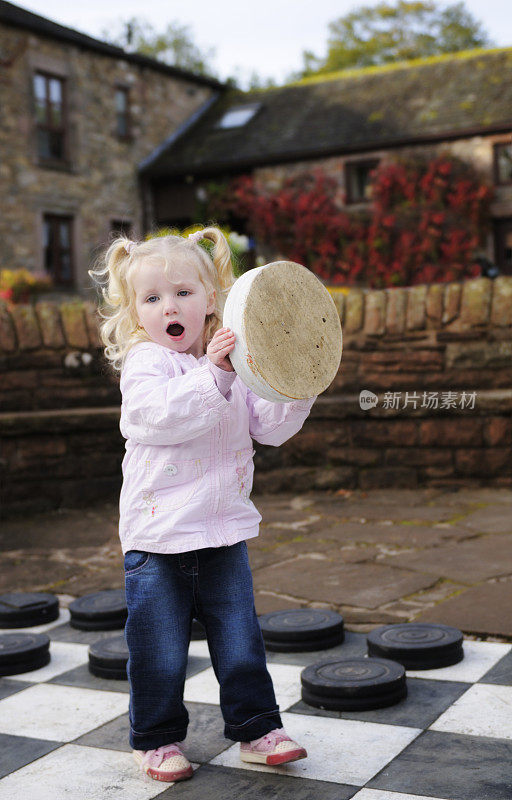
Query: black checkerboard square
[[423, 748]]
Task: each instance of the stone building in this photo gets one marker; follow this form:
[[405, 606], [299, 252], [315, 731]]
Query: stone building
[[94, 139], [348, 122], [78, 116]]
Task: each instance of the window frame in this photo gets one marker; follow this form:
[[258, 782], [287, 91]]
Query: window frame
[[496, 168], [252, 107], [54, 220], [128, 135], [63, 129], [372, 163], [118, 227], [502, 226]]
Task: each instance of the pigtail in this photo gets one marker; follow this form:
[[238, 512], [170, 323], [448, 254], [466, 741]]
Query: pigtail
[[221, 258], [225, 278], [120, 329]]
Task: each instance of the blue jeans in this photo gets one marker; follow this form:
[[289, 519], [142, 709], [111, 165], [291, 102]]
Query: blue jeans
[[163, 594]]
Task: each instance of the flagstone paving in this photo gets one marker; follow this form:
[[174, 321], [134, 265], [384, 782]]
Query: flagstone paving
[[377, 557]]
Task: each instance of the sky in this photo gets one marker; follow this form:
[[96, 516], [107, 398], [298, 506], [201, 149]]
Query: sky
[[264, 36]]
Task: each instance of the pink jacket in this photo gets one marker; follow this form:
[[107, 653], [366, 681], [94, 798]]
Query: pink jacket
[[188, 466]]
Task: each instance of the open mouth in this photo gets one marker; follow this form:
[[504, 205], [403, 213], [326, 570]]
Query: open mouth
[[175, 330]]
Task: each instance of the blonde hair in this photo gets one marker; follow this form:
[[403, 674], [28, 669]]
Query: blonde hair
[[120, 330]]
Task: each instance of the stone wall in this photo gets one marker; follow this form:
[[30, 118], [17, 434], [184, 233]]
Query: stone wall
[[100, 182], [59, 420]]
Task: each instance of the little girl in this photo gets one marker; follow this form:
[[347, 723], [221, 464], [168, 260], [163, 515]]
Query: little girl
[[185, 511]]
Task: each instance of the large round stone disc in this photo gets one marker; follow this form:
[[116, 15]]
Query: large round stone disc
[[108, 658], [354, 703], [353, 677], [417, 645], [24, 609], [23, 652], [301, 624], [304, 645], [293, 330], [99, 611]]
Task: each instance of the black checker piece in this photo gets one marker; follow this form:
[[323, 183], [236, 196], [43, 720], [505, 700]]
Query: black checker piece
[[108, 658], [301, 629], [26, 609], [23, 652], [99, 611], [417, 645], [355, 684]]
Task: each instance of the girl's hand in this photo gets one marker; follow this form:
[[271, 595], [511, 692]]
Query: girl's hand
[[217, 351]]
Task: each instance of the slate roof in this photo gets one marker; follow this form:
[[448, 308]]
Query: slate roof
[[441, 97], [18, 17]]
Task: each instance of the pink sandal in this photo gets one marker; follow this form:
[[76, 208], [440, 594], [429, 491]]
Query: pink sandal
[[274, 748], [166, 763]]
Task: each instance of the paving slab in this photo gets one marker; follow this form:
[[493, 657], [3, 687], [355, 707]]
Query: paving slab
[[16, 751], [404, 534], [477, 559], [364, 585], [430, 537], [347, 752], [501, 672], [372, 510], [425, 701], [484, 495], [491, 519], [484, 609], [454, 766], [484, 710], [76, 772], [282, 549], [33, 574], [8, 687], [266, 603], [82, 527], [344, 739], [216, 783]]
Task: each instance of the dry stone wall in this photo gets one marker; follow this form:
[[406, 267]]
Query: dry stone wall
[[436, 361]]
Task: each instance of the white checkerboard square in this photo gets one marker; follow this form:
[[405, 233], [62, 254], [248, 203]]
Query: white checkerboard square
[[204, 688], [479, 658], [81, 773], [339, 750], [484, 710], [59, 713]]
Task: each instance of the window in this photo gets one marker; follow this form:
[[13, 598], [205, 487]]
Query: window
[[49, 95], [503, 163], [119, 227], [57, 248], [358, 181], [236, 117], [503, 244], [123, 112]]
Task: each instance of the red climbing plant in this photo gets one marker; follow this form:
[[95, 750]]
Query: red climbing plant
[[427, 220]]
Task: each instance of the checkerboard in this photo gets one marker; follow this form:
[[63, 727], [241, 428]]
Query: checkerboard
[[64, 733]]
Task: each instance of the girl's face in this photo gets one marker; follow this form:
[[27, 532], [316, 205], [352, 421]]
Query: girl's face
[[180, 299]]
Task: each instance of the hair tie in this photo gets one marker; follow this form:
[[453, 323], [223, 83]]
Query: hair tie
[[195, 237], [129, 247]]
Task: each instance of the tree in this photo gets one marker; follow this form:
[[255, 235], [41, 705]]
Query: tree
[[173, 46], [373, 35]]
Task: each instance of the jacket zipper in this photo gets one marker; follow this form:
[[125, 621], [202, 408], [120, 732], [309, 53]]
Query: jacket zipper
[[217, 504]]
